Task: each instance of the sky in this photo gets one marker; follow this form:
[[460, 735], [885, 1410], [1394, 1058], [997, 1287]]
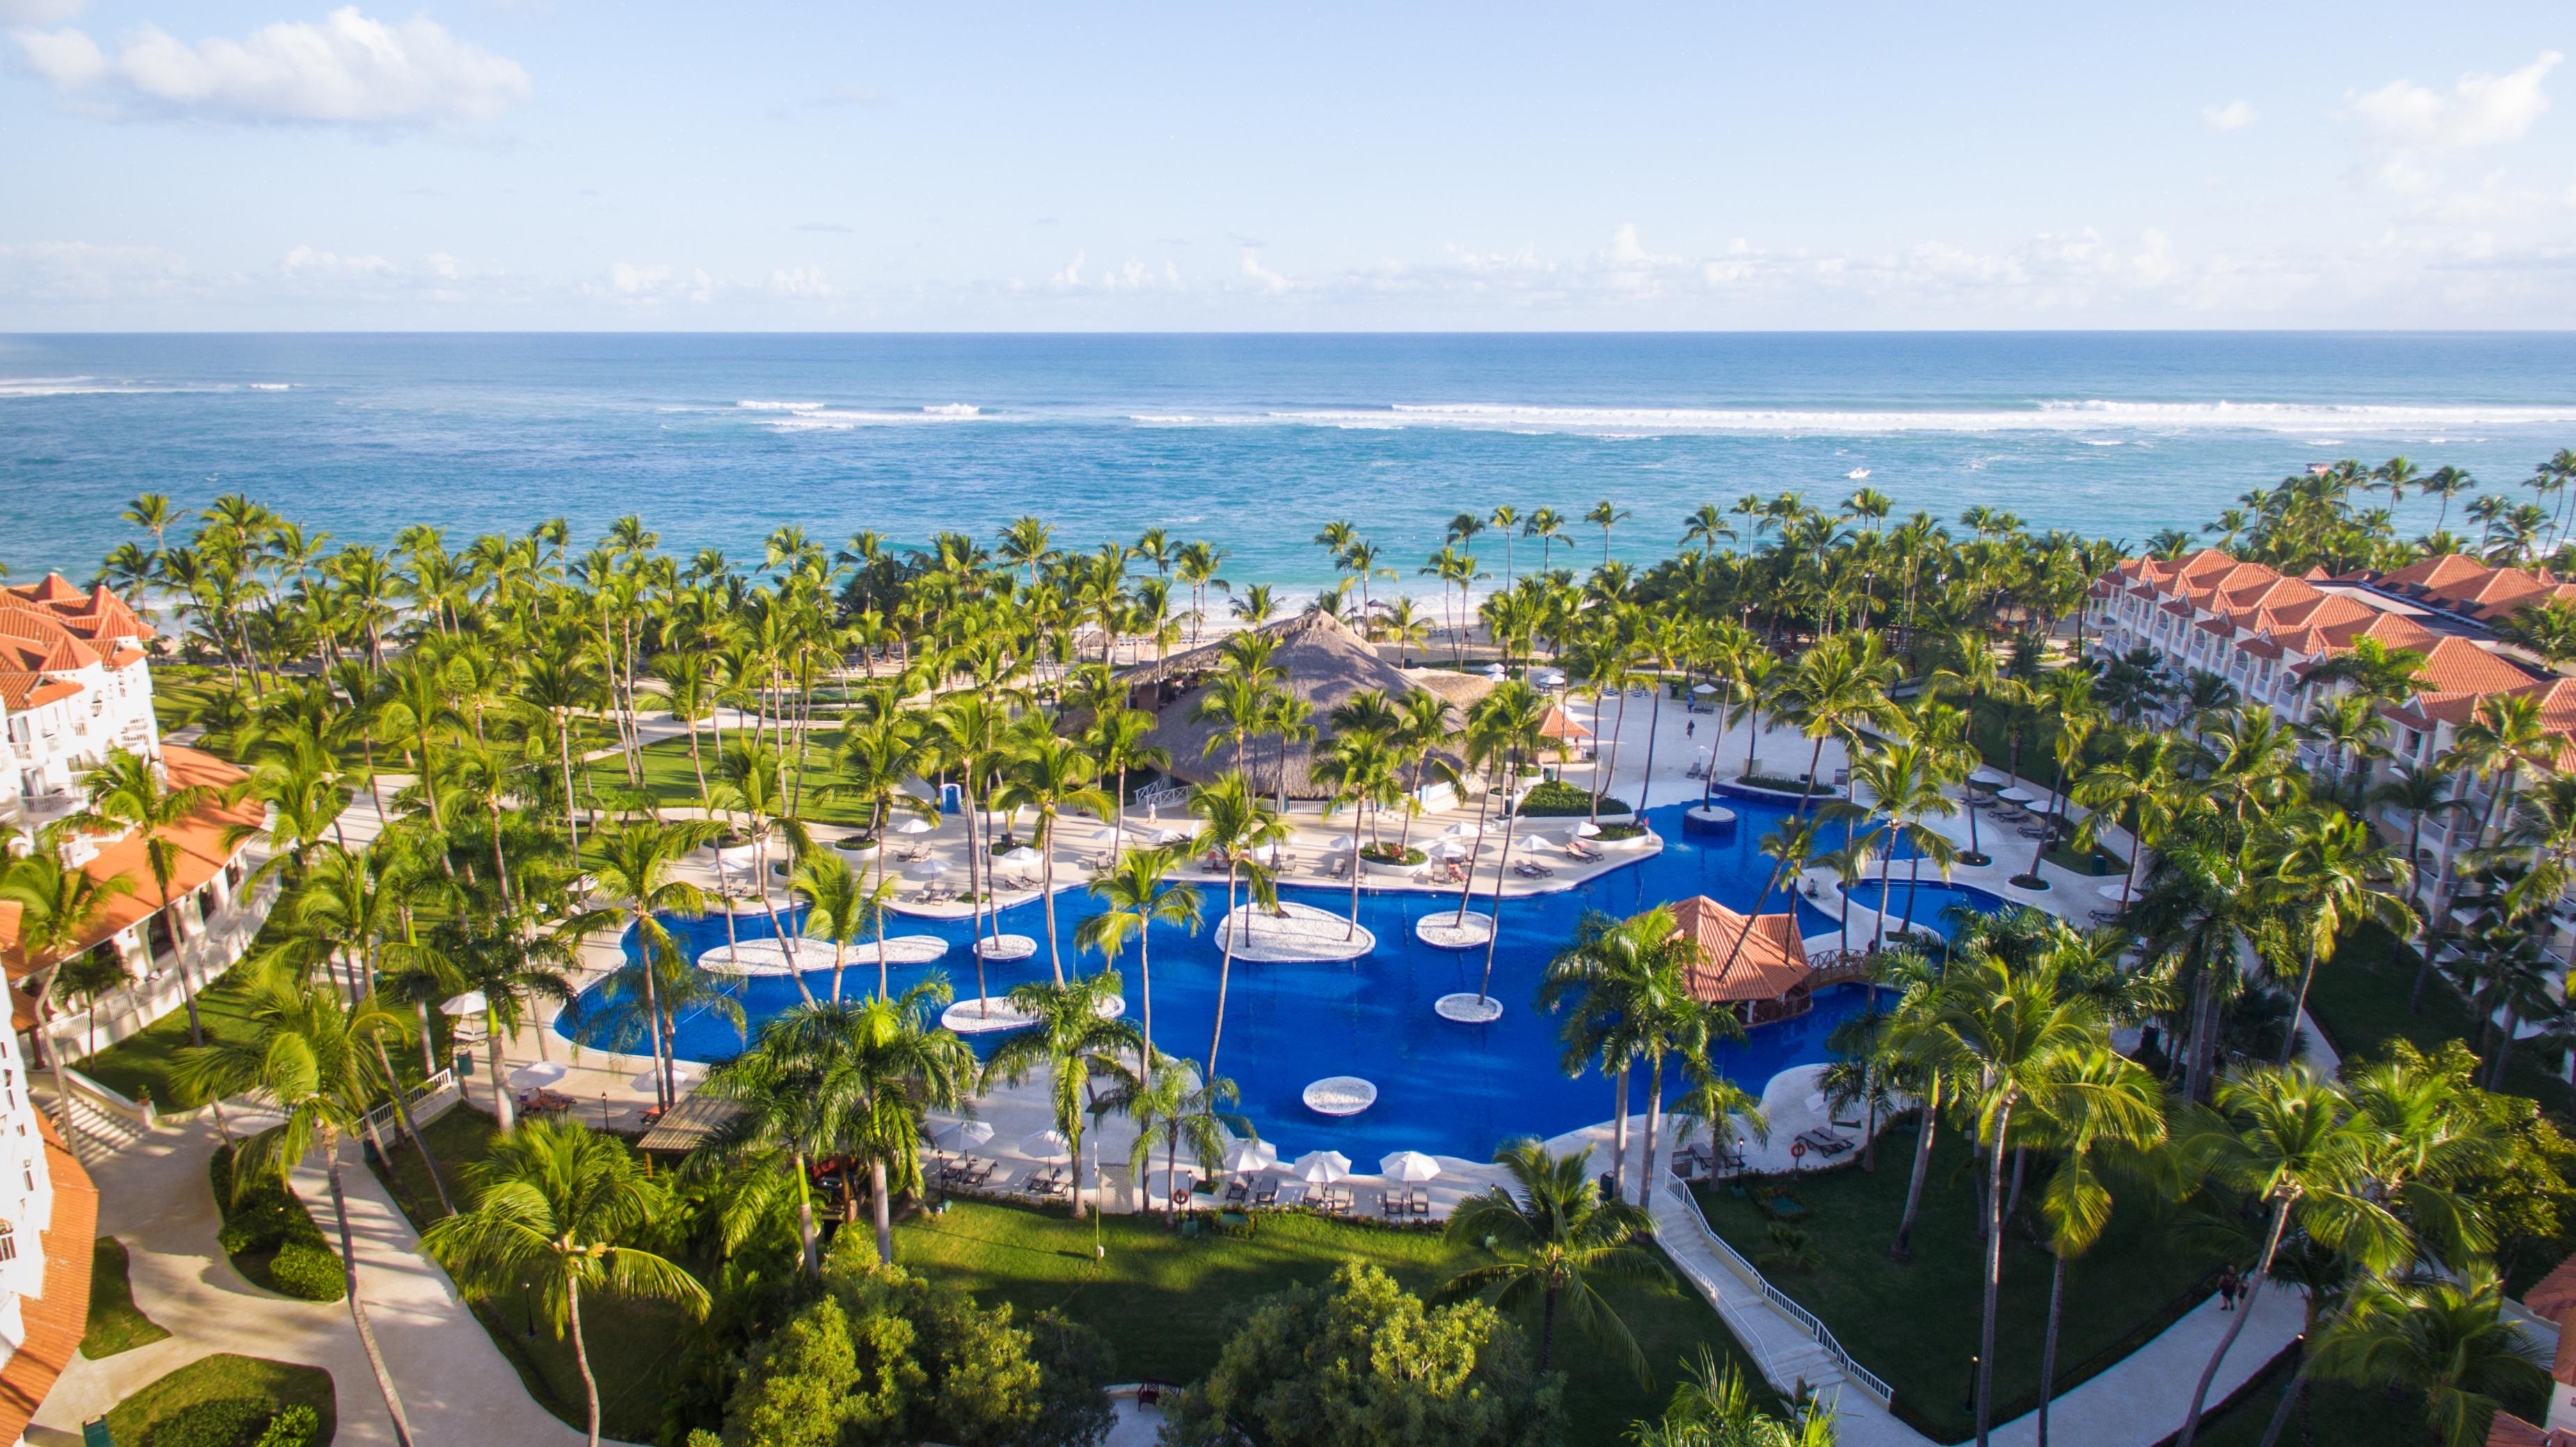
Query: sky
[[577, 164]]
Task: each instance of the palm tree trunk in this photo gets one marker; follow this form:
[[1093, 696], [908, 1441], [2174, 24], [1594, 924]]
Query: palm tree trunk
[[1352, 929], [357, 1304], [1494, 931], [1468, 888], [2244, 1309], [1654, 1129], [2048, 1345], [1927, 1122], [1994, 1273], [1619, 1133], [2296, 1395], [883, 1210], [1654, 726], [810, 1250], [1225, 969], [1547, 1332], [581, 1355], [411, 1128]]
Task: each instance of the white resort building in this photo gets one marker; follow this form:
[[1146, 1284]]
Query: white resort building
[[75, 686]]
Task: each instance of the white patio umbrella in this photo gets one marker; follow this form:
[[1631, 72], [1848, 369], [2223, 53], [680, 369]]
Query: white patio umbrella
[[469, 1003], [1104, 835], [1408, 1166], [538, 1075], [964, 1135], [1322, 1168], [1703, 689], [2017, 796], [1271, 853], [1986, 776], [1023, 855], [2115, 890], [1338, 844], [930, 869], [1049, 1146], [1452, 849], [1534, 843], [1251, 1156], [916, 825], [1587, 829], [1171, 836], [683, 1073], [1463, 829]]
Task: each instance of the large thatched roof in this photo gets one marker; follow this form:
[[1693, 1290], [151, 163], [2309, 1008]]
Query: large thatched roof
[[1321, 660]]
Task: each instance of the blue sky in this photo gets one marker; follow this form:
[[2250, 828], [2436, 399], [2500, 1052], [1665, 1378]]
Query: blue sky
[[578, 164]]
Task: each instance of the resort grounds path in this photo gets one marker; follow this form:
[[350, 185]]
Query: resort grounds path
[[154, 1196]]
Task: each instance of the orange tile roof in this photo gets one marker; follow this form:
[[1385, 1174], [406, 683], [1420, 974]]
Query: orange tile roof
[[1557, 725], [2554, 1295], [1772, 963], [52, 627], [200, 849], [56, 1320], [2508, 1430]]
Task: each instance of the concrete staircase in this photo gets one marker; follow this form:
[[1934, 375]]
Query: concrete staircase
[[97, 1133]]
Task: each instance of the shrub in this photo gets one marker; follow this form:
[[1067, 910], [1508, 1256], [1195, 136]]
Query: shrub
[[308, 1272], [1391, 854], [1557, 799], [219, 1422], [1615, 832], [296, 1426]]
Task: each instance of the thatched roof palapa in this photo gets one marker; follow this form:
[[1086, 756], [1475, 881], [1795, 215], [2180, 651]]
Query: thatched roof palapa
[[1321, 661]]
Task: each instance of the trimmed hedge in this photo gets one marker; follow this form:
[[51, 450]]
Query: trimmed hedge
[[271, 1237], [1557, 799], [1615, 832], [1390, 854], [297, 1426], [222, 1422]]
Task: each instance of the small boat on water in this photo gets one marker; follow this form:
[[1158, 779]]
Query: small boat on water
[[1857, 473]]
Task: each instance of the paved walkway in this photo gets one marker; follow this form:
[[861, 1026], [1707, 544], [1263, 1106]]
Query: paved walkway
[[153, 1195]]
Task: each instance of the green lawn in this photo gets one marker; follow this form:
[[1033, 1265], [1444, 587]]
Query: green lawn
[[207, 1379], [1916, 1325], [1167, 1303], [671, 781], [2346, 1415], [2359, 1000], [633, 1346], [116, 1324], [142, 1062]]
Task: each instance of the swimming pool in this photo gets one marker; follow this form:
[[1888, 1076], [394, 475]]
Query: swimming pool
[[1927, 904], [1444, 1088]]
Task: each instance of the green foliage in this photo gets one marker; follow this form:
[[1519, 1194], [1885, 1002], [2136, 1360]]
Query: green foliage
[[1364, 1363], [1557, 799], [1391, 854], [270, 1236], [886, 1358], [2525, 1193], [307, 1271], [296, 1426], [1613, 833], [273, 1389]]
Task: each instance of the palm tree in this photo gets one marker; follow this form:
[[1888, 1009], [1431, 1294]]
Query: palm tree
[[1071, 1039], [315, 1060], [1503, 727], [2107, 1107], [2327, 882], [1172, 1110], [1360, 770], [748, 782], [1605, 517], [2446, 1339], [1551, 1234], [2012, 1040], [1135, 900], [843, 909], [2289, 1141], [1050, 776], [559, 1209], [636, 864], [1712, 1102], [1235, 823], [127, 792]]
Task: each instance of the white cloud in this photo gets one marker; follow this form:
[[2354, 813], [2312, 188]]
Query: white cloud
[[1070, 276], [799, 283], [305, 261], [1267, 279], [2236, 115], [38, 12], [2481, 110], [85, 272], [628, 279], [345, 70]]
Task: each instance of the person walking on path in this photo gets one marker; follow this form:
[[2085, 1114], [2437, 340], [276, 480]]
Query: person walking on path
[[2228, 1286]]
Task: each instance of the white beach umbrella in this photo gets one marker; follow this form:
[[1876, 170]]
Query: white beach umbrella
[[1104, 835], [1408, 1166], [2115, 890], [1986, 776], [1049, 1146], [2017, 796], [1452, 849], [1251, 1156], [684, 1073], [1322, 1168], [964, 1135], [1587, 830], [1534, 843], [1020, 856], [538, 1075], [930, 869], [469, 1003], [1463, 829], [1171, 836], [1703, 689], [916, 825]]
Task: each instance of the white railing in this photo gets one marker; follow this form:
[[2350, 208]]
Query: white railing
[[213, 949], [1862, 1377], [1168, 794], [428, 1101], [103, 1099]]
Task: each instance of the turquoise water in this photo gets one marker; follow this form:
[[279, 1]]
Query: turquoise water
[[1250, 441], [1445, 1088], [1927, 904]]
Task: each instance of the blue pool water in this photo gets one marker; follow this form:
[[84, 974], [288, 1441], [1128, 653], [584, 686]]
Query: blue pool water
[[1929, 902], [1445, 1088]]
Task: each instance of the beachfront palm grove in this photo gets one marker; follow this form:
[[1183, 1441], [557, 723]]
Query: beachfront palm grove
[[2201, 917]]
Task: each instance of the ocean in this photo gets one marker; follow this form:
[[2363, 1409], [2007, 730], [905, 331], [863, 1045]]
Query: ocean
[[1252, 442]]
